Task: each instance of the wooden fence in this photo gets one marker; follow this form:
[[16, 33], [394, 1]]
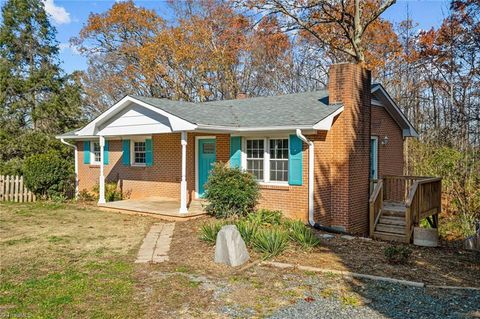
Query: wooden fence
[[13, 189]]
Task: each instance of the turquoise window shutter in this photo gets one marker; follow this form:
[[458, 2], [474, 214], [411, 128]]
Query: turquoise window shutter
[[235, 151], [105, 153], [126, 152], [86, 152], [148, 152], [295, 161]]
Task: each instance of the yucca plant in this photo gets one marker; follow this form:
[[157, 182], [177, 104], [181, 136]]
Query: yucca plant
[[209, 231], [301, 234], [247, 230], [270, 241], [265, 217]]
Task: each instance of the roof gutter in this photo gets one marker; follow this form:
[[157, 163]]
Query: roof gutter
[[299, 134], [76, 164]]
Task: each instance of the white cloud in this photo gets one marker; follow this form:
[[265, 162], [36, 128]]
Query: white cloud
[[58, 14]]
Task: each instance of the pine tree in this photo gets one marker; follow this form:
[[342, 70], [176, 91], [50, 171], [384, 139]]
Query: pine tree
[[37, 99]]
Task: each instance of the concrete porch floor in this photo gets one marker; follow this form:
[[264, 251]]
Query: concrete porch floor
[[161, 207]]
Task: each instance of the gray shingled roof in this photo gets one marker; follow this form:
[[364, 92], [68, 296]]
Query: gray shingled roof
[[282, 110]]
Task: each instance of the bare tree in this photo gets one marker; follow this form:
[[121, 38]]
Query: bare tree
[[338, 24]]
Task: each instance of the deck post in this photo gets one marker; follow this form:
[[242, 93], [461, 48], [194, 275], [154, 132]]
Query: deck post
[[183, 183], [101, 197]]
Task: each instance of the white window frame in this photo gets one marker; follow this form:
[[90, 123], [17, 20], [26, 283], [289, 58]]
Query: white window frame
[[92, 153], [132, 150], [269, 159], [266, 158]]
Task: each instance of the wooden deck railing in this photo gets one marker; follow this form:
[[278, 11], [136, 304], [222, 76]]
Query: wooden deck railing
[[420, 195], [424, 200], [376, 203], [397, 188]]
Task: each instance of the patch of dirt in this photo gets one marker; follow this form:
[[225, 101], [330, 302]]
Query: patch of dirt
[[437, 266]]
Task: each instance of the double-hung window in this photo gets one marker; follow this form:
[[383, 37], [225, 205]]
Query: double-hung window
[[255, 157], [279, 160], [95, 153], [139, 153], [267, 159]]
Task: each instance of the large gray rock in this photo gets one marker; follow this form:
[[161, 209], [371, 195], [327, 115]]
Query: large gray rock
[[230, 248]]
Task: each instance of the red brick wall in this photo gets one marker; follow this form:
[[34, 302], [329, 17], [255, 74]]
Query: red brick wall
[[390, 156], [349, 143], [291, 200], [162, 178]]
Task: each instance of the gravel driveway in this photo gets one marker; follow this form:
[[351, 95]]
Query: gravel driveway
[[384, 300]]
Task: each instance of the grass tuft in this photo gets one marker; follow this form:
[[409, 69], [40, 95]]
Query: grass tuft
[[247, 230], [270, 241], [208, 232], [302, 235]]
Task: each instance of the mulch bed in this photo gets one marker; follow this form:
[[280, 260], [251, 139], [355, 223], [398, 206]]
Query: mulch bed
[[436, 266]]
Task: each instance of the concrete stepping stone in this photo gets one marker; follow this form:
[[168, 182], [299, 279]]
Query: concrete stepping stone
[[156, 244]]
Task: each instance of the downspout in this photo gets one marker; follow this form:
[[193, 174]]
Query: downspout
[[299, 134], [76, 164], [311, 170]]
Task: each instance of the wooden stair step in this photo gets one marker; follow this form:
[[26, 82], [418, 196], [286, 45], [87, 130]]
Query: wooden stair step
[[390, 229], [389, 236], [394, 207], [392, 213], [392, 220]]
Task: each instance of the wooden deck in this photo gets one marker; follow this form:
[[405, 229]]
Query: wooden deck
[[399, 203], [160, 207]]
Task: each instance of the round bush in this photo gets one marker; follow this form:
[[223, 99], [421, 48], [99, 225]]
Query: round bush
[[48, 175], [230, 192]]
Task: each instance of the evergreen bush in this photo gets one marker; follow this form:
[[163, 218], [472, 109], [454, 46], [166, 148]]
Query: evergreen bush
[[49, 175], [230, 192]]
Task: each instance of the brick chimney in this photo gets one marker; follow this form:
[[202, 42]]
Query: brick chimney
[[350, 84]]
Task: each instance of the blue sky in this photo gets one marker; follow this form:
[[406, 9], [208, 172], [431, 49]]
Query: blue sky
[[69, 16]]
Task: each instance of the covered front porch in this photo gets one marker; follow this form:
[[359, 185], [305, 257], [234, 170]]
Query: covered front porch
[[161, 207]]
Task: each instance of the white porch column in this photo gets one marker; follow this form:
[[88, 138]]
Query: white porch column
[[183, 183], [101, 197]]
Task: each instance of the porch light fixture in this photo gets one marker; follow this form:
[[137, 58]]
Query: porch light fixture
[[385, 140]]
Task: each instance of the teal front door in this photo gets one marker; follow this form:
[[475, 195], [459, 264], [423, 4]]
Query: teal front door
[[206, 158]]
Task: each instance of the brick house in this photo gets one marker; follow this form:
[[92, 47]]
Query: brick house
[[314, 154]]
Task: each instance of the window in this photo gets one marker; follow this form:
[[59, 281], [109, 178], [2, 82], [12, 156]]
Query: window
[[267, 159], [208, 148], [279, 160], [374, 157], [255, 157], [139, 153], [95, 153]]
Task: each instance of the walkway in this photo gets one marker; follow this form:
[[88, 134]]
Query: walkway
[[156, 244]]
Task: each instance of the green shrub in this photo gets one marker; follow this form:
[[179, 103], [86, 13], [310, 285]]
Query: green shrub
[[301, 234], [247, 230], [230, 192], [13, 166], [112, 193], [208, 232], [270, 241], [266, 217], [85, 196], [397, 254], [48, 175]]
